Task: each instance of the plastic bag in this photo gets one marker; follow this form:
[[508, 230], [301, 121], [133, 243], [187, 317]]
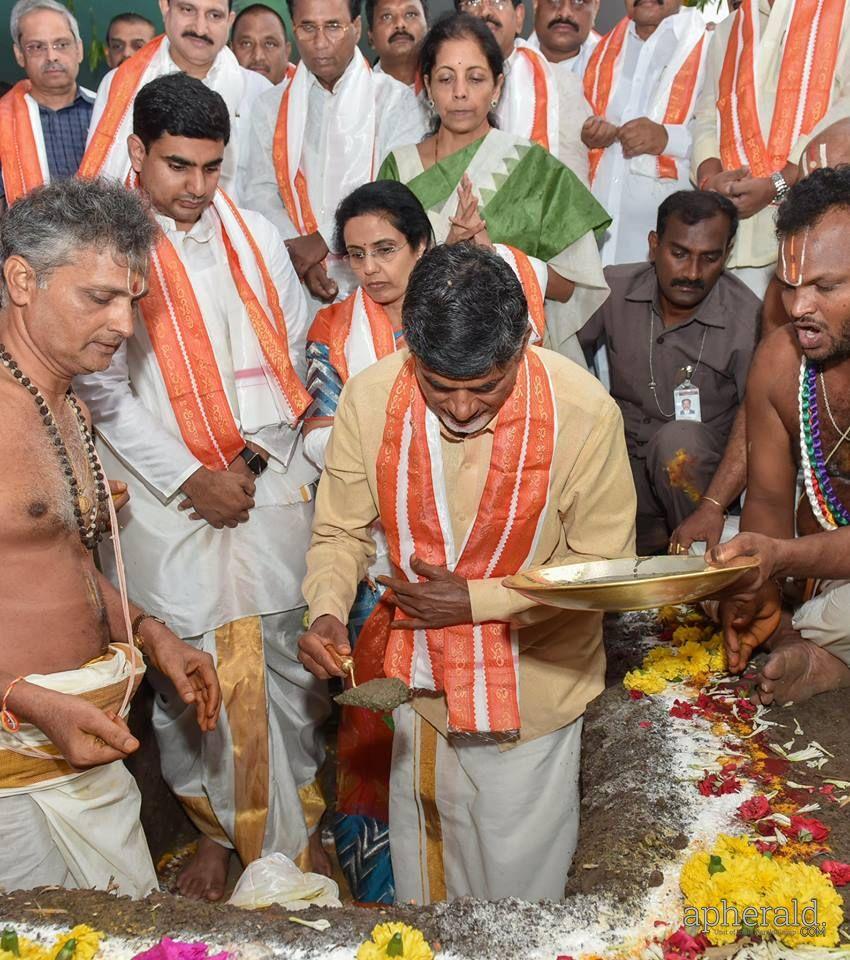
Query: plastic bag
[[276, 879]]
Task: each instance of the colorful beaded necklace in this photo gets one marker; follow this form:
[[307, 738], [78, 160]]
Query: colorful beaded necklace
[[828, 509]]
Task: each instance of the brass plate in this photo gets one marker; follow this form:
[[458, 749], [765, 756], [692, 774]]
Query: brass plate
[[632, 583]]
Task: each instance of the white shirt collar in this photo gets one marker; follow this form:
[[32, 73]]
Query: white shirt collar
[[201, 232]]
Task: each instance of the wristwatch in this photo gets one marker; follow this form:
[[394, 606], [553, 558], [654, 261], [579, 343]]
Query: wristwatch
[[256, 463], [137, 625], [781, 187]]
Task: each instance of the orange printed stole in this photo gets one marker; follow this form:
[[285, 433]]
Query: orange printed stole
[[122, 92], [476, 665], [18, 151], [534, 295], [599, 79], [540, 124], [599, 82], [185, 354], [680, 103], [349, 321], [804, 87], [293, 192]]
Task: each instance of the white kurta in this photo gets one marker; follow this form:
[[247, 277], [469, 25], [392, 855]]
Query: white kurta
[[421, 97], [755, 242], [573, 110], [193, 576], [399, 119], [239, 88], [631, 197], [577, 64]]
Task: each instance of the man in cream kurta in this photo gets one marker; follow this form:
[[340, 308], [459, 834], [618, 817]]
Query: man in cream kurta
[[627, 183], [754, 254], [208, 59], [320, 135], [563, 33], [476, 817], [227, 578]]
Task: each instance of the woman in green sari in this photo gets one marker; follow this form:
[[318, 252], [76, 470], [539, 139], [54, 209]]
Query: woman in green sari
[[480, 183]]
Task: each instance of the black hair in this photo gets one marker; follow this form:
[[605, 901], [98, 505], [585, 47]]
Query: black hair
[[353, 8], [369, 9], [459, 4], [812, 197], [389, 199], [464, 312], [460, 26], [181, 106], [694, 206], [128, 17], [258, 6]]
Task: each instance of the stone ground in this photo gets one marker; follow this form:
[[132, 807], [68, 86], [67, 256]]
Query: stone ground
[[633, 828]]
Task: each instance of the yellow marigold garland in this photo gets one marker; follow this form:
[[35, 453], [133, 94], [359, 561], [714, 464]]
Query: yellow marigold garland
[[692, 660], [736, 876], [395, 940], [85, 946]]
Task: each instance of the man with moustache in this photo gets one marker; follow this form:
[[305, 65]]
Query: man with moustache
[[642, 83], [259, 38], [559, 104], [763, 100], [677, 327], [396, 31], [564, 34], [44, 118], [126, 34], [798, 401], [194, 42], [320, 135], [489, 747]]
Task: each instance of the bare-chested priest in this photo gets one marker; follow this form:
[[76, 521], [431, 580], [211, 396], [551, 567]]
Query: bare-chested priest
[[74, 258], [798, 408]]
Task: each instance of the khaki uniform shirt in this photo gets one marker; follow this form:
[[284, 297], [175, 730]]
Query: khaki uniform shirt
[[590, 516], [718, 341]]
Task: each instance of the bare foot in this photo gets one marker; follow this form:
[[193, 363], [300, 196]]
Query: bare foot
[[321, 862], [798, 669], [205, 875]]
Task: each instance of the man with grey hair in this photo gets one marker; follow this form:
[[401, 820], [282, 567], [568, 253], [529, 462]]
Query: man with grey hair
[[74, 258], [44, 119]]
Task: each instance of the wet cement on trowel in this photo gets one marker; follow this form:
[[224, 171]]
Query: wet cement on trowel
[[383, 694]]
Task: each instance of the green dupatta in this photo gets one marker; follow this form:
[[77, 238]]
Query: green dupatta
[[541, 207]]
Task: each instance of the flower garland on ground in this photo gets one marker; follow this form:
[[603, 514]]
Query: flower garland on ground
[[83, 943], [764, 869]]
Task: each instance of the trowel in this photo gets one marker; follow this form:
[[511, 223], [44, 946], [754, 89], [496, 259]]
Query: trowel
[[383, 694]]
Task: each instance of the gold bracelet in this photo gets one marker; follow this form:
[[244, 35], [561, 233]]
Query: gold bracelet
[[716, 504]]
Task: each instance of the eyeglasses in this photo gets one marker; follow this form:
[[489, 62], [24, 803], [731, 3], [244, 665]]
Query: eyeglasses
[[334, 31], [383, 254], [473, 6], [39, 48]]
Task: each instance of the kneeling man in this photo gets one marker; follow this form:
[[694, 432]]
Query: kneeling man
[[480, 456], [74, 258]]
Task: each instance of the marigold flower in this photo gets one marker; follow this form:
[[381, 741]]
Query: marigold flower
[[385, 943]]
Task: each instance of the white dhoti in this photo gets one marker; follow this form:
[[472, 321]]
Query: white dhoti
[[65, 827], [473, 820], [251, 783], [825, 619]]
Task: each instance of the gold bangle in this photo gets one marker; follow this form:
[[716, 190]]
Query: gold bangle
[[715, 502], [137, 624]]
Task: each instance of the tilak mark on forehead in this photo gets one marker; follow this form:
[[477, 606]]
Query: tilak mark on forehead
[[794, 263]]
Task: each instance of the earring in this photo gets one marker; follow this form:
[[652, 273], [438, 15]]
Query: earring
[[430, 103], [494, 104]]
